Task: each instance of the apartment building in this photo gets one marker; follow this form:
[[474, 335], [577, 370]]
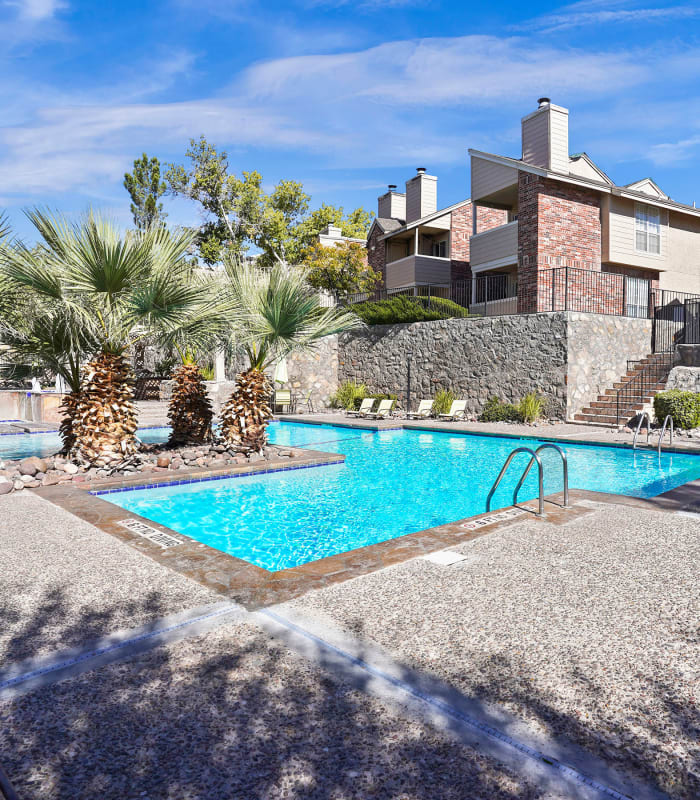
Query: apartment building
[[569, 236], [413, 244]]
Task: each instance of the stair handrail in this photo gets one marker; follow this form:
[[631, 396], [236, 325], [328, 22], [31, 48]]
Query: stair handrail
[[512, 455], [640, 384], [643, 416], [565, 470], [669, 418]]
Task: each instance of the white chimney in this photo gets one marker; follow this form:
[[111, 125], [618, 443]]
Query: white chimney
[[392, 204], [545, 135], [421, 195]]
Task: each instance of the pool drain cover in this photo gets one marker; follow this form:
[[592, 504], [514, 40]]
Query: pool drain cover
[[157, 537]]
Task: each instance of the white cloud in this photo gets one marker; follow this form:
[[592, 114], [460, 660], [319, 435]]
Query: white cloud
[[672, 153], [36, 10], [603, 12]]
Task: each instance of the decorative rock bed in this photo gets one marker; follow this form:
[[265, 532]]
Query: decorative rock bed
[[33, 471]]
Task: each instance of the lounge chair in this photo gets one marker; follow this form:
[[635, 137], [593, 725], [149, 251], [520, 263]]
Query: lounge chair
[[458, 410], [305, 401], [385, 408], [281, 399], [424, 409], [366, 407]]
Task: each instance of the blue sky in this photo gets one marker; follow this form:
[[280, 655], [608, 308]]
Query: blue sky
[[342, 96]]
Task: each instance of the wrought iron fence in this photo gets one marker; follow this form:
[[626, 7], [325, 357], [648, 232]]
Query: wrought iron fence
[[595, 292], [676, 319]]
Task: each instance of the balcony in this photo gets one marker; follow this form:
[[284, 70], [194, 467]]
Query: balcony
[[414, 269], [495, 248]]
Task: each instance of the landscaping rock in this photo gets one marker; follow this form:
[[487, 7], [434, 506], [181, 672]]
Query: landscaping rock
[[32, 465], [71, 469], [5, 485], [18, 485], [163, 461]]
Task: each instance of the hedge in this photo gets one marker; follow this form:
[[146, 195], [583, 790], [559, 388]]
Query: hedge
[[406, 308], [684, 408]]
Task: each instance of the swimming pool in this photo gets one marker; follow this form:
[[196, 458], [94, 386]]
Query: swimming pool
[[14, 446], [392, 483]]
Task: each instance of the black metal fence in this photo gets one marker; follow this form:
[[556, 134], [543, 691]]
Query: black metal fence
[[676, 320], [594, 292]]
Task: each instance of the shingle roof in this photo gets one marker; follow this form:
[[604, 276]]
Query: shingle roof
[[389, 224]]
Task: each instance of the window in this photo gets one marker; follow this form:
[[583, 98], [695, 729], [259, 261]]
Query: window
[[439, 249], [647, 229]]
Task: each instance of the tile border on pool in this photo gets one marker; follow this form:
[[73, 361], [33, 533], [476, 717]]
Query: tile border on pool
[[223, 477]]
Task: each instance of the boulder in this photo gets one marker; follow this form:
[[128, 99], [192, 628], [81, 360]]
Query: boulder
[[18, 485], [32, 465], [5, 485], [163, 461], [70, 468]]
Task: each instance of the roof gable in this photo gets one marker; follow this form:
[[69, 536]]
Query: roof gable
[[582, 165], [647, 186]]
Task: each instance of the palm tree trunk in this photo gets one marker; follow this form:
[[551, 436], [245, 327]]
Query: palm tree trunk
[[190, 411], [106, 421], [246, 414], [69, 409]]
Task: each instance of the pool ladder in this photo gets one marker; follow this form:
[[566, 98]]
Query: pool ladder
[[534, 459], [645, 416]]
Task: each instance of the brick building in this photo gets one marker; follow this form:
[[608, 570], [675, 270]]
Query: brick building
[[572, 238]]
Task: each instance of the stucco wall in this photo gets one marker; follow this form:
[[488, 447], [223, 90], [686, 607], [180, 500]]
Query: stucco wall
[[475, 358], [598, 347]]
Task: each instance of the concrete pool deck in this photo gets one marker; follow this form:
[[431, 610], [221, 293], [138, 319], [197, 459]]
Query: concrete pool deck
[[234, 713]]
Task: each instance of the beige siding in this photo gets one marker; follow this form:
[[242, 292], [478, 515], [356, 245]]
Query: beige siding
[[392, 204], [619, 231], [498, 245], [683, 263], [421, 197], [535, 132], [489, 177], [418, 269], [559, 140], [583, 169]]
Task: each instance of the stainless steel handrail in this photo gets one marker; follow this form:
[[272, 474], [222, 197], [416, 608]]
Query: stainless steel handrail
[[644, 416], [514, 453], [565, 468], [669, 418]]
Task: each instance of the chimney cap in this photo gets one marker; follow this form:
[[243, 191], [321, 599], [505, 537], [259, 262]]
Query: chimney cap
[[543, 101], [420, 170], [392, 186]]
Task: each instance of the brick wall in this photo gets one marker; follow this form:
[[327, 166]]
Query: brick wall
[[376, 254], [461, 230], [558, 226]]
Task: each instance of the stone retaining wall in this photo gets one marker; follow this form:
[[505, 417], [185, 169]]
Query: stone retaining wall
[[685, 378], [475, 358]]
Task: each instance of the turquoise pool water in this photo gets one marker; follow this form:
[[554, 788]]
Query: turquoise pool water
[[21, 445], [392, 483]]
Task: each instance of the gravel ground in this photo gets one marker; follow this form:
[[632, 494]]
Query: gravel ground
[[588, 631], [64, 582], [232, 715]]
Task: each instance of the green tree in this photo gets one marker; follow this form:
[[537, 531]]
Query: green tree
[[239, 213], [341, 269], [145, 189]]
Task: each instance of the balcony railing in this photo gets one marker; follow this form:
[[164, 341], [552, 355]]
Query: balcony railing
[[497, 247]]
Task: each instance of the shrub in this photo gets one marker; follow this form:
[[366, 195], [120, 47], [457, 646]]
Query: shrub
[[684, 408], [531, 407], [349, 395], [405, 308], [496, 411], [443, 401]]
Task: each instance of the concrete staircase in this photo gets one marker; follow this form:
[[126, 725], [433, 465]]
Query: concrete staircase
[[603, 411]]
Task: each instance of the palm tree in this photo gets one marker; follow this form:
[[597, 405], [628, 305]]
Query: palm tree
[[201, 330], [123, 286], [58, 339], [277, 314]]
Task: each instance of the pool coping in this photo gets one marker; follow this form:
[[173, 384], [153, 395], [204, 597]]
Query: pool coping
[[255, 587]]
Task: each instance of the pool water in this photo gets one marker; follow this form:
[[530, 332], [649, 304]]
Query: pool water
[[14, 446], [392, 483]]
